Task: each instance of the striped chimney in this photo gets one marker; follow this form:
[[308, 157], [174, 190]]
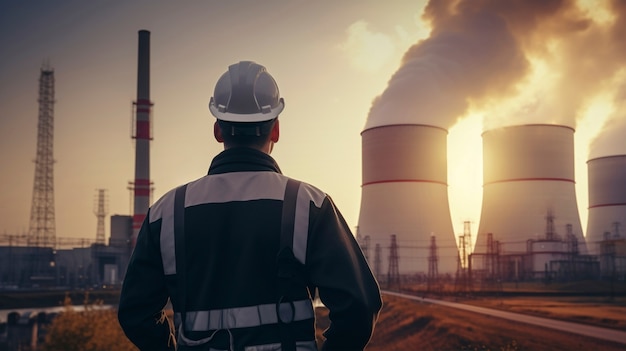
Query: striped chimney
[[142, 135]]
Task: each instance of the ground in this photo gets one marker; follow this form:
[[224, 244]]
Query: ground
[[412, 325]]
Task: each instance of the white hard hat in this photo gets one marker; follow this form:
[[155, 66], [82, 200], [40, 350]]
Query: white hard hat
[[246, 93]]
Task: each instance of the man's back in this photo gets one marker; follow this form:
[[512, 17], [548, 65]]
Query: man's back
[[232, 238]]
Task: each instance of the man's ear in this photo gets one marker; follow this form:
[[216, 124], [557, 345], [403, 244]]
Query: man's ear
[[217, 132], [275, 133]]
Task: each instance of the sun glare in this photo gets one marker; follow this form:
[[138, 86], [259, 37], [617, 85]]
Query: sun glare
[[465, 172], [588, 127]]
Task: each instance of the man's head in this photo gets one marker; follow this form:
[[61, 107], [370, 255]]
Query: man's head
[[246, 103]]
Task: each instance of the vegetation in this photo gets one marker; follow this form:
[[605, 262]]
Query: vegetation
[[94, 329]]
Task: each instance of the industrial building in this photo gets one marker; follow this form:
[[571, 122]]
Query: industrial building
[[71, 263], [39, 258], [549, 257]]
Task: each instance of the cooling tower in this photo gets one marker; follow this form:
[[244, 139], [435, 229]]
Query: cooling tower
[[405, 193], [528, 172], [607, 199]]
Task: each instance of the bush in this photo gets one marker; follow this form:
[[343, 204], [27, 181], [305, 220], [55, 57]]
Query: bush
[[94, 329]]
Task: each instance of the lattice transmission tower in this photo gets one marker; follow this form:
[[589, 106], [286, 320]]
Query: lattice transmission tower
[[393, 275], [101, 211], [42, 231], [433, 258]]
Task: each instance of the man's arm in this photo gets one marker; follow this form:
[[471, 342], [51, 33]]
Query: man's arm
[[144, 293], [347, 287]]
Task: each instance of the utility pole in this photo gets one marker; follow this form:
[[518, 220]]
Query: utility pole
[[100, 210], [572, 251], [432, 264], [459, 281], [462, 281], [393, 275]]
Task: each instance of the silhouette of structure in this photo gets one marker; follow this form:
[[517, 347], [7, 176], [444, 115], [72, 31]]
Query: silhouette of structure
[[433, 272], [100, 211], [393, 274], [142, 133], [463, 279], [42, 231], [490, 277]]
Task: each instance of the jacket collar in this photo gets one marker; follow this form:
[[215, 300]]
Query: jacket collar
[[242, 159]]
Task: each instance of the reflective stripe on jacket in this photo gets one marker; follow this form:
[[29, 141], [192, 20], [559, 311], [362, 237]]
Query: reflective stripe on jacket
[[235, 187]]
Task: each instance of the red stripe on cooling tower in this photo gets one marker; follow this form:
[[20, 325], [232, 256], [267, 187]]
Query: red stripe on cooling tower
[[530, 180], [143, 130], [404, 181], [607, 205], [144, 102]]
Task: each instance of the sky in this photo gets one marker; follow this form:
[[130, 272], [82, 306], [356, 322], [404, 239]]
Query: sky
[[341, 66]]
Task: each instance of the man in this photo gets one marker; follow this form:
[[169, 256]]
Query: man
[[241, 251]]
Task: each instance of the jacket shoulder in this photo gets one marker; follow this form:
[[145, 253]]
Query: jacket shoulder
[[312, 192]]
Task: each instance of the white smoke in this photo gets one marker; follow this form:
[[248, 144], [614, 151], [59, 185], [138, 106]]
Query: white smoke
[[469, 54], [516, 61], [612, 139]]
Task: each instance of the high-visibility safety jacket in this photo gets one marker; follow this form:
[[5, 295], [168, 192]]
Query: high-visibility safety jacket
[[226, 290]]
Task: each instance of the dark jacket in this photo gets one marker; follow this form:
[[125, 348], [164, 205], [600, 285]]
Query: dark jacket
[[232, 225]]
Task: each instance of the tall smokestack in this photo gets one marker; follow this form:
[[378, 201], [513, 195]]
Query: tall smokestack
[[607, 199], [142, 135], [405, 193], [528, 173]]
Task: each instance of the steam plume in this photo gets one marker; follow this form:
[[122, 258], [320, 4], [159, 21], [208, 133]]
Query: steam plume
[[519, 61]]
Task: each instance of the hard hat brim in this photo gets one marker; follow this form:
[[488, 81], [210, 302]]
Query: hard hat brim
[[250, 117]]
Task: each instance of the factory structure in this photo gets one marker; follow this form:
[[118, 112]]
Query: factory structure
[[40, 259], [529, 227]]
